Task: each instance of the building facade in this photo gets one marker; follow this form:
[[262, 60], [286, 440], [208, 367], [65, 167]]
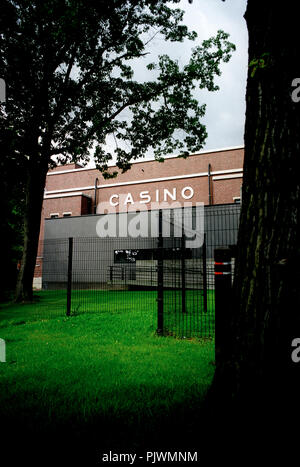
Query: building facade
[[212, 177]]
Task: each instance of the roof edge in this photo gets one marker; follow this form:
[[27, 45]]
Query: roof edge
[[232, 148]]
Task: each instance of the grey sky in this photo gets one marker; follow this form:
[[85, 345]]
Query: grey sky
[[225, 112]]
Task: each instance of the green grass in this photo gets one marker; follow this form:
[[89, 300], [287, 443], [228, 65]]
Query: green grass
[[103, 371], [195, 322]]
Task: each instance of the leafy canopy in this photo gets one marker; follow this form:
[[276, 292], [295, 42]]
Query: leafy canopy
[[69, 74]]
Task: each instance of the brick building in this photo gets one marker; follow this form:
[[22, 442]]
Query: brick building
[[211, 177]]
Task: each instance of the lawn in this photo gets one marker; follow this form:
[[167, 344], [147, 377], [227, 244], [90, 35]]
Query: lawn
[[196, 322], [102, 376]]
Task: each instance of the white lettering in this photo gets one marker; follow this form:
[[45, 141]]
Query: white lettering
[[144, 195], [296, 353], [193, 458], [171, 457], [167, 193], [2, 91], [2, 351], [111, 198], [128, 199], [177, 219], [114, 457], [160, 456], [194, 235], [127, 458], [149, 455], [138, 226], [187, 188], [107, 226], [295, 93]]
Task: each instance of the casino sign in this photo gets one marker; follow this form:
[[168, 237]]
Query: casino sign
[[145, 197]]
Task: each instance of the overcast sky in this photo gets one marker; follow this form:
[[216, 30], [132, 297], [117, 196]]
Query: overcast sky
[[225, 112]]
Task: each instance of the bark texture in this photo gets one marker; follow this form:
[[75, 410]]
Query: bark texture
[[34, 192], [266, 305]]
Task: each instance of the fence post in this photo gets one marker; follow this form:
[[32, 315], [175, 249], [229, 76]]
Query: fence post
[[183, 282], [160, 278], [204, 274], [223, 301], [69, 286]]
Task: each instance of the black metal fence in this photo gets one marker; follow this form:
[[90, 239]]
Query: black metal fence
[[187, 294], [163, 277]]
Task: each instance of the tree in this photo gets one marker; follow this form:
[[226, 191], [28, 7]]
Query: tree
[[69, 77], [257, 370], [11, 182]]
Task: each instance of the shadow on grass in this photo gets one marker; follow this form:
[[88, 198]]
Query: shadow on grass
[[184, 427]]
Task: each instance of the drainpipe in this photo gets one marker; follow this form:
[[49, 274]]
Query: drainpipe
[[209, 186], [95, 196]]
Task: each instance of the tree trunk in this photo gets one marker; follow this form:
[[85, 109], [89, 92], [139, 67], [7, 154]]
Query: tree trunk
[[34, 193], [265, 316]]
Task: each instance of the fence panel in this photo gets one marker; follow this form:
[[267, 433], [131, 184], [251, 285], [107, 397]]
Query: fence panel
[[189, 281], [188, 304], [110, 277], [115, 275], [52, 299]]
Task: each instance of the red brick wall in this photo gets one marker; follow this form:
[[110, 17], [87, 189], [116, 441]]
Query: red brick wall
[[70, 167], [225, 190], [60, 205], [223, 160]]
